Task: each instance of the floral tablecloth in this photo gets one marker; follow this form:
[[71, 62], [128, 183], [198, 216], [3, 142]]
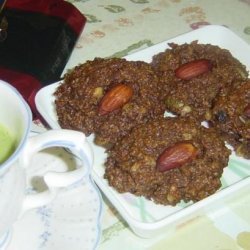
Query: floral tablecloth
[[121, 27]]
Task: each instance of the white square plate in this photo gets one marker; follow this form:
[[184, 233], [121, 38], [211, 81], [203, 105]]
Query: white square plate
[[144, 217]]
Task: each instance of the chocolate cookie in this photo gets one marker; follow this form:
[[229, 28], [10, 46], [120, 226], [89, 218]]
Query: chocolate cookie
[[231, 116], [168, 160], [108, 97], [194, 74]]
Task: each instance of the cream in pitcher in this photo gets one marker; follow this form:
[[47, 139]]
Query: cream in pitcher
[[16, 150]]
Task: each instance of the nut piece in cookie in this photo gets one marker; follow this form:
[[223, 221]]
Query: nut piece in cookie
[[168, 160]]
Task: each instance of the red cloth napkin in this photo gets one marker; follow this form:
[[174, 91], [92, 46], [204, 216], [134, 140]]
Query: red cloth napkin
[[40, 38]]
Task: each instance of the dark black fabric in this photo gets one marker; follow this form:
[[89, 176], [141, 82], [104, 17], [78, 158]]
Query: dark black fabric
[[36, 44], [40, 38]]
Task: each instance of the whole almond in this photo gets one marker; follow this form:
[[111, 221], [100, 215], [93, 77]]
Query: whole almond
[[192, 69], [115, 98], [176, 155]]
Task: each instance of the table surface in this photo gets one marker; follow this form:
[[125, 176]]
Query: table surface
[[118, 28]]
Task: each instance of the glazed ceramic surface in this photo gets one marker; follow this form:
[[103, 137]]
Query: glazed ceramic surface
[[71, 221]]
